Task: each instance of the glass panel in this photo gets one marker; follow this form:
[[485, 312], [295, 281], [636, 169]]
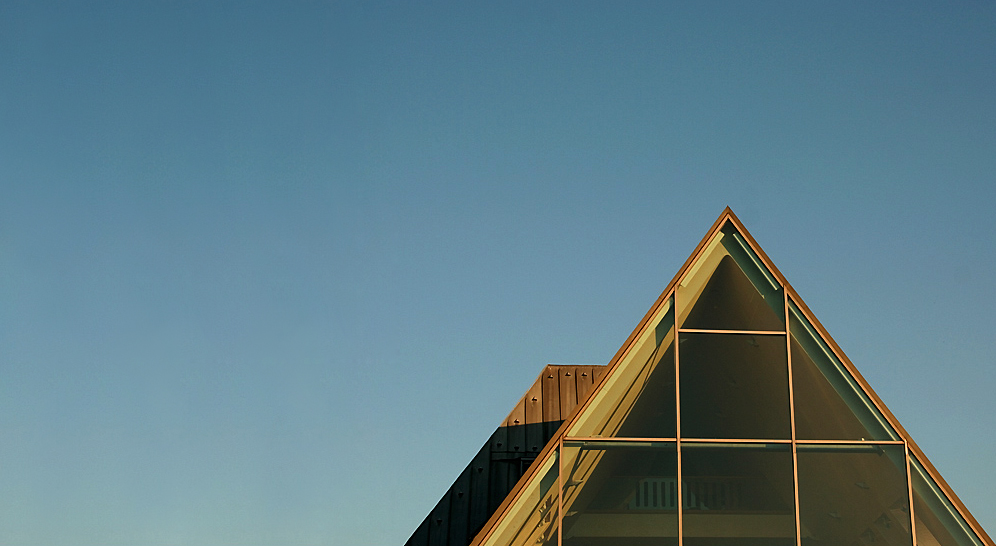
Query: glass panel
[[533, 518], [734, 386], [638, 398], [620, 493], [728, 288], [853, 495], [938, 523], [737, 494], [829, 404]]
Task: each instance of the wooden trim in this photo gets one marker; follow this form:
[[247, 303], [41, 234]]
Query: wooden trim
[[909, 484], [795, 492], [677, 413], [560, 491], [620, 439], [735, 441], [502, 509], [790, 293], [851, 442], [946, 489], [880, 405], [865, 386], [741, 332], [795, 452]]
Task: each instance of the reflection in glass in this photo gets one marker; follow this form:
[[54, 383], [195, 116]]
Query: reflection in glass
[[734, 386], [737, 494], [532, 520], [829, 404], [728, 288], [937, 521], [853, 495], [638, 398], [620, 493]]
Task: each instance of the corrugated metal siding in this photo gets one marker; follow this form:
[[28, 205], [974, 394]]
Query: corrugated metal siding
[[493, 472]]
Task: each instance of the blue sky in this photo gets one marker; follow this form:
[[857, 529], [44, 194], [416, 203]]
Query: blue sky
[[271, 274]]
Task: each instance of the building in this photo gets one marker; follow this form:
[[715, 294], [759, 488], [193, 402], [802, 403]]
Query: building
[[729, 417]]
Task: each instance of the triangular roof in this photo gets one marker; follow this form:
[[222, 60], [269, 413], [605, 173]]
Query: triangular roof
[[767, 313]]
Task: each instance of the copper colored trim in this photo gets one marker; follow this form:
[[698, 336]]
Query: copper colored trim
[[852, 442], [677, 416], [488, 528], [624, 439], [883, 409], [795, 452], [745, 332], [671, 286], [890, 418], [735, 441], [788, 361], [951, 495], [756, 248], [795, 485], [681, 503], [848, 365], [619, 439], [560, 493], [728, 215]]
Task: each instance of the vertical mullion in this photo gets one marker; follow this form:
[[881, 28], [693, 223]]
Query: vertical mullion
[[909, 485], [795, 453], [677, 401], [560, 492]]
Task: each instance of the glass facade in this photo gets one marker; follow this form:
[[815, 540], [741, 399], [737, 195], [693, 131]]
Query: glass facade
[[728, 288], [853, 494], [620, 493], [731, 422], [829, 404], [734, 386], [638, 401], [737, 494]]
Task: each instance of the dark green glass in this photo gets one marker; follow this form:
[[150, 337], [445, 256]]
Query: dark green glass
[[829, 404], [620, 493], [734, 386], [638, 399], [737, 494], [729, 288], [853, 495]]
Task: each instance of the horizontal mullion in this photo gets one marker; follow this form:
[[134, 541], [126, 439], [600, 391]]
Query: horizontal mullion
[[851, 442], [624, 439], [734, 441], [615, 439], [750, 332]]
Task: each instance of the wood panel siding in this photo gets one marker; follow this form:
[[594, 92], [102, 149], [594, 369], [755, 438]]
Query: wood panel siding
[[504, 458]]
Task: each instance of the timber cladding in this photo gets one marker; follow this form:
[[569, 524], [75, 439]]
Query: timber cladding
[[505, 457]]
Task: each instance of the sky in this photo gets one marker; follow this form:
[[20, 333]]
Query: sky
[[271, 273]]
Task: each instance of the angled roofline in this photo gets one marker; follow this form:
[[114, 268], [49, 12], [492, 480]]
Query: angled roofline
[[503, 508], [865, 386], [530, 416], [728, 215]]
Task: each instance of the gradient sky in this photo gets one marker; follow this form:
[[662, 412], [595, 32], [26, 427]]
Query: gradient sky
[[270, 274]]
